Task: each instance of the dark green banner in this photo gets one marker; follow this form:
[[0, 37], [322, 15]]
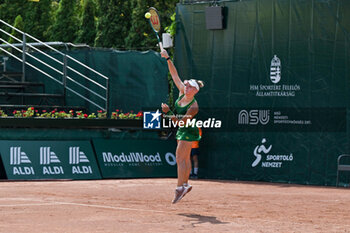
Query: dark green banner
[[274, 157], [25, 160], [136, 158], [278, 77]]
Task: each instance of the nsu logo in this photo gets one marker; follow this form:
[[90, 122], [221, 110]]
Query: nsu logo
[[253, 117]]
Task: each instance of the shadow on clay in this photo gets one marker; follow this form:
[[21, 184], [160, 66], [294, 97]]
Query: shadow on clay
[[202, 219]]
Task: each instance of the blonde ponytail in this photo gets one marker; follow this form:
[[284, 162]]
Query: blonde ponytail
[[200, 83]]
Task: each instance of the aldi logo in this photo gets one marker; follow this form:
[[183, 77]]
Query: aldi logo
[[76, 156], [17, 156], [47, 156], [151, 120]]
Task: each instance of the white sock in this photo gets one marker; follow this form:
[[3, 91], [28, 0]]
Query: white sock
[[185, 184], [179, 187], [195, 170]]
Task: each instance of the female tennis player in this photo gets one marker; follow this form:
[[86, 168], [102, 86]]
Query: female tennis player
[[186, 107]]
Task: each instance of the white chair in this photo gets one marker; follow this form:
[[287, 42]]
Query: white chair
[[342, 167]]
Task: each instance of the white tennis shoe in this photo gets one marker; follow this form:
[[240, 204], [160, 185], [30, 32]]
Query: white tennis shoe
[[188, 189], [181, 192]]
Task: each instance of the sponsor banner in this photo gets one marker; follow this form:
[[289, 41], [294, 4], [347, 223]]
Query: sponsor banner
[[276, 119], [49, 160], [292, 120], [136, 158]]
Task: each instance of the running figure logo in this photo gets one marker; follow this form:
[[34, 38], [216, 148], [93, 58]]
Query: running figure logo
[[151, 120], [258, 149]]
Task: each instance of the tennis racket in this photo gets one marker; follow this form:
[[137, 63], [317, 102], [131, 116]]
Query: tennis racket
[[154, 20]]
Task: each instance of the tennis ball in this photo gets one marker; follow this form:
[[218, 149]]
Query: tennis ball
[[148, 15]]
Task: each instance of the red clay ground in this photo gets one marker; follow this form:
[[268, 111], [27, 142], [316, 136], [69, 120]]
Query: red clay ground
[[144, 205]]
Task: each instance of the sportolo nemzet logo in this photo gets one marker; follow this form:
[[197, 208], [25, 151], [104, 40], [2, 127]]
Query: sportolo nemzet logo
[[153, 120], [137, 158], [269, 160]]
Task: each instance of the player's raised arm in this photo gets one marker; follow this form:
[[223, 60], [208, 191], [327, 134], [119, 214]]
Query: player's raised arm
[[175, 76]]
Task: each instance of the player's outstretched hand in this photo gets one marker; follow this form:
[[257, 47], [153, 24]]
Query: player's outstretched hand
[[164, 53], [165, 108]]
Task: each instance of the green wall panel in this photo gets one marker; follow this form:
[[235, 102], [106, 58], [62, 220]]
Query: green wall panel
[[311, 40]]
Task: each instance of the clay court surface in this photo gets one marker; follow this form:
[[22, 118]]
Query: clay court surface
[[144, 205]]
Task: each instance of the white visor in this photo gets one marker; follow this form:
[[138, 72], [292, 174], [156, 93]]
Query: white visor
[[193, 83]]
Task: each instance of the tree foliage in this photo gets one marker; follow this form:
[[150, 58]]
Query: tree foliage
[[37, 18], [103, 23], [114, 23], [10, 9], [141, 34], [87, 32], [66, 22], [19, 25]]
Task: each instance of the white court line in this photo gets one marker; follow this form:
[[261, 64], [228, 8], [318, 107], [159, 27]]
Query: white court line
[[19, 199], [81, 204], [19, 205], [109, 207]]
